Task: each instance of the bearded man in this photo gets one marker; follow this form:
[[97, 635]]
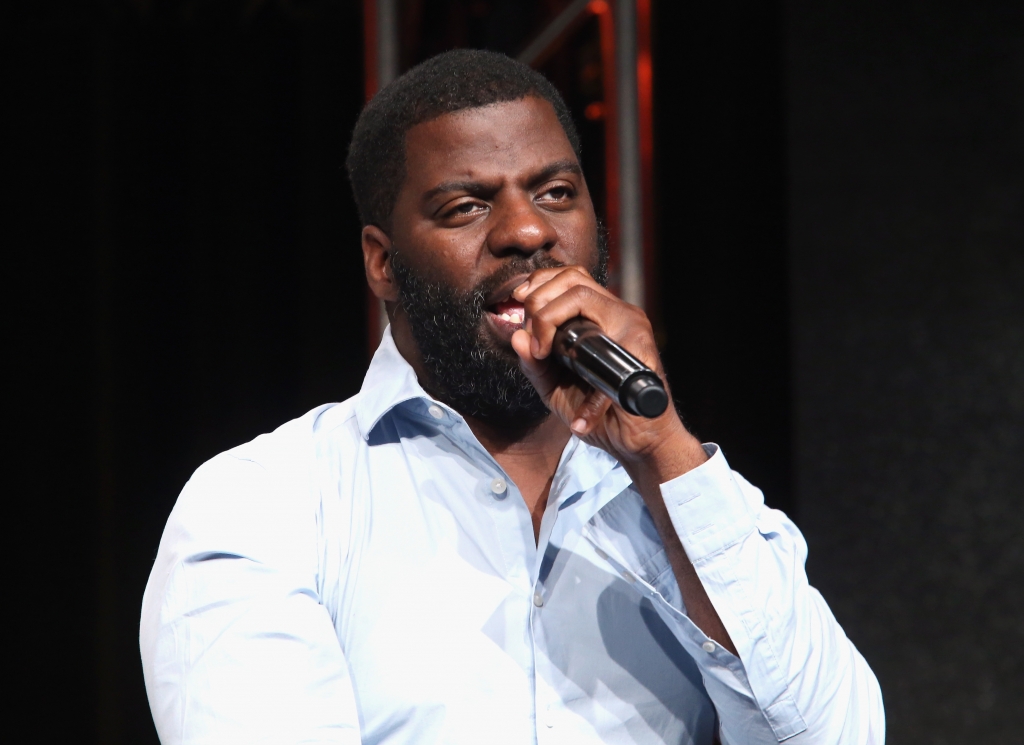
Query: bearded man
[[478, 548]]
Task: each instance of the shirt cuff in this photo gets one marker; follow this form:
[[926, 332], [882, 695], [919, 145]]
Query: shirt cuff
[[708, 509]]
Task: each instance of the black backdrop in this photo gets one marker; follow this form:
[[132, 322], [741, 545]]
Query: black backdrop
[[841, 242], [906, 132]]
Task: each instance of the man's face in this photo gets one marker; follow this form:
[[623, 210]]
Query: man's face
[[491, 194]]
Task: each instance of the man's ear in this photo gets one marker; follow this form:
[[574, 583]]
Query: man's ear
[[377, 262]]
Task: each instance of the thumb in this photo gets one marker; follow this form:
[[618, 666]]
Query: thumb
[[537, 371], [590, 412]]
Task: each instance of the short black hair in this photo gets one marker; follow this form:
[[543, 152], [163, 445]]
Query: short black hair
[[452, 81]]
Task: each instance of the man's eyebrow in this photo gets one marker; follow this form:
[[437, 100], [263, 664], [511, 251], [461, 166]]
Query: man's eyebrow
[[553, 169], [478, 188]]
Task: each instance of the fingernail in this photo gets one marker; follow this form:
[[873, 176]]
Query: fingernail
[[529, 326], [579, 426]]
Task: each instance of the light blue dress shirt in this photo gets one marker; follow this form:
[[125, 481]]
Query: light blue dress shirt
[[368, 574]]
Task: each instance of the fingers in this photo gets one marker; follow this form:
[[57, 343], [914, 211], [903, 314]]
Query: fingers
[[545, 299], [553, 296], [590, 412], [532, 366], [546, 284], [582, 412], [577, 300], [539, 371]]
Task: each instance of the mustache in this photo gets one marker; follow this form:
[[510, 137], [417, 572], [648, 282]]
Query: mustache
[[513, 268], [412, 283]]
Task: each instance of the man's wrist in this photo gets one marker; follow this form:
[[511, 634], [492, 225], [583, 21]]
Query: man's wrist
[[668, 457]]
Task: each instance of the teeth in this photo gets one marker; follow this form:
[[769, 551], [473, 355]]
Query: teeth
[[506, 317], [514, 318]]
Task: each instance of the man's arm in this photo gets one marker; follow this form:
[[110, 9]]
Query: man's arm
[[774, 660], [673, 460], [652, 451], [236, 646]]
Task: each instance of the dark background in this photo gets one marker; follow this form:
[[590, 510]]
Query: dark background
[[841, 263]]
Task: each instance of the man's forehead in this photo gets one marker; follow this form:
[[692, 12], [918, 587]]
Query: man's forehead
[[512, 134]]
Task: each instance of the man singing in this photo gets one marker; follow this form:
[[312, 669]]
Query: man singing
[[477, 547]]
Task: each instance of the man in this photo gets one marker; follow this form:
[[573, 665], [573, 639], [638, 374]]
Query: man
[[477, 548]]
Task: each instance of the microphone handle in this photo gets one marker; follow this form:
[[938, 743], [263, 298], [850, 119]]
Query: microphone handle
[[581, 346]]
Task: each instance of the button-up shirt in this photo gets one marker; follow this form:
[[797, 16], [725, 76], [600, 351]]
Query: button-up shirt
[[368, 573]]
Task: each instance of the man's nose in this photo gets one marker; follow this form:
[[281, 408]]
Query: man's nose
[[522, 228]]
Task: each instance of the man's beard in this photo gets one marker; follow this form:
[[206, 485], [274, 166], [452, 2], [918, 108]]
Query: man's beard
[[466, 368]]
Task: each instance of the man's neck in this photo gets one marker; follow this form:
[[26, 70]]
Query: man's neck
[[543, 441], [529, 458], [529, 455]]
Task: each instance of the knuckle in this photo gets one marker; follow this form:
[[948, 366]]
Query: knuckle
[[543, 321], [636, 337], [581, 292], [541, 315]]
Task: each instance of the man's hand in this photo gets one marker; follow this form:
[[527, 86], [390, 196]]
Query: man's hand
[[660, 448], [653, 451]]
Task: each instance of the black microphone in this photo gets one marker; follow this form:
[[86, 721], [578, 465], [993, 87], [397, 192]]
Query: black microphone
[[581, 346]]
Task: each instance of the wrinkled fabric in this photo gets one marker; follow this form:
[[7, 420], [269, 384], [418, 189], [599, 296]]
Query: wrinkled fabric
[[367, 573]]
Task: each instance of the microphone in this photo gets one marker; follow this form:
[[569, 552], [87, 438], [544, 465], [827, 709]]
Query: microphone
[[582, 347]]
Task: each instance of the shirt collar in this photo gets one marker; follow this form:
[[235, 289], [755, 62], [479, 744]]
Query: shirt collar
[[390, 381], [588, 466]]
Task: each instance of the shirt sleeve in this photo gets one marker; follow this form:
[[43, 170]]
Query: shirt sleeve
[[797, 676], [236, 645]]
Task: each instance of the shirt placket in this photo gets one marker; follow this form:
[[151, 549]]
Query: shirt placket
[[514, 530], [548, 704], [523, 559]]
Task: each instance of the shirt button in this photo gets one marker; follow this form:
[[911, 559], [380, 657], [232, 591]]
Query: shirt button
[[538, 600], [499, 488], [708, 647], [436, 411]]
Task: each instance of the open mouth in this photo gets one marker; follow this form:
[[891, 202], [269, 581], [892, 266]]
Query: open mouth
[[507, 313]]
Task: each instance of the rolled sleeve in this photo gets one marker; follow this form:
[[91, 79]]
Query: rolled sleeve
[[708, 509], [796, 676]]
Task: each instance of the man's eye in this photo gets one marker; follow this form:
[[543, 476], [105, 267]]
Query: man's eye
[[558, 193], [464, 208]]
